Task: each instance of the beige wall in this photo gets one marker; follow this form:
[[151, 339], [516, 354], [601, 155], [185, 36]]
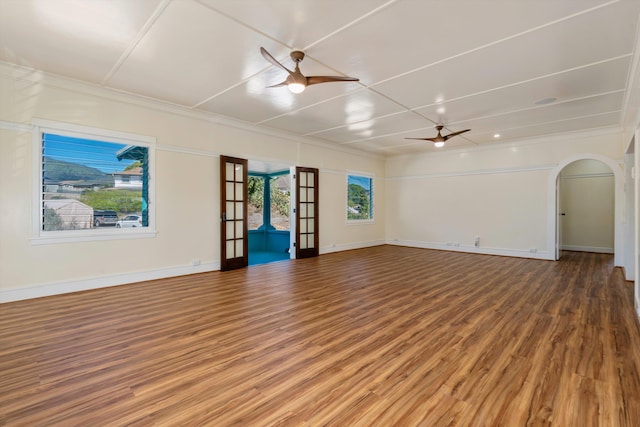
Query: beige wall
[[504, 194], [186, 180]]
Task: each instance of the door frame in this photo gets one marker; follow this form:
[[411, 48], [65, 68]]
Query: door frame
[[227, 218], [553, 212], [313, 251]]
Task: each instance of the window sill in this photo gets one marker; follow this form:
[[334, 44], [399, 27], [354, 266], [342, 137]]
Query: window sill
[[57, 237], [360, 221]]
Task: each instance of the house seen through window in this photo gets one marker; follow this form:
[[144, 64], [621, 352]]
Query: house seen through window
[[359, 198], [93, 184]]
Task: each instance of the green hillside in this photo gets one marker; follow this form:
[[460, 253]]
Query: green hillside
[[56, 171]]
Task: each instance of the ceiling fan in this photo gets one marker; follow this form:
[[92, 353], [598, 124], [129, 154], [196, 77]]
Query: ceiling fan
[[296, 81], [439, 140]]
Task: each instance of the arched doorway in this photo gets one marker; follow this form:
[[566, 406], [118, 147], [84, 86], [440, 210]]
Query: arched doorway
[[555, 205]]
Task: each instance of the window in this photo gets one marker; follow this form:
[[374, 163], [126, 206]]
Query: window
[[280, 189], [359, 198], [89, 182]]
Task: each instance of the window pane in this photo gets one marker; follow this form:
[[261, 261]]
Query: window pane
[[239, 191], [359, 197], [303, 179], [310, 240], [239, 229], [231, 253], [229, 190], [310, 210], [89, 183], [229, 228], [280, 188], [238, 168], [239, 248], [255, 189], [229, 172], [239, 210], [230, 211]]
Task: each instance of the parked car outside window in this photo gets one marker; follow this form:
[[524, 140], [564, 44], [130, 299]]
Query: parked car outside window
[[104, 217], [130, 221]]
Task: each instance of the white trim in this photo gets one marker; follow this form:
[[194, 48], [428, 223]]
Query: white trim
[[587, 175], [596, 249], [552, 215], [472, 172], [34, 76], [18, 127], [73, 130], [40, 237], [351, 222], [349, 246], [57, 288], [182, 150], [518, 253], [632, 81]]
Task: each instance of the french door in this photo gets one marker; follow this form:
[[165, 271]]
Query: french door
[[233, 213], [307, 209]]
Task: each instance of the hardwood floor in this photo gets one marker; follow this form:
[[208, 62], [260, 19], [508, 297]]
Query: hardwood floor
[[379, 336]]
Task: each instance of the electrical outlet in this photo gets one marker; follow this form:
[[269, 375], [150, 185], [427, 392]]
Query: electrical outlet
[[476, 242], [533, 250], [195, 262]]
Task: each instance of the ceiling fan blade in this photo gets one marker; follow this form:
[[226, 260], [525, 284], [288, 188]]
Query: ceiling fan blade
[[312, 80], [455, 133], [284, 83], [425, 139], [273, 60]]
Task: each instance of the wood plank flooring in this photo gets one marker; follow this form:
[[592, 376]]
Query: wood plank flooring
[[381, 336]]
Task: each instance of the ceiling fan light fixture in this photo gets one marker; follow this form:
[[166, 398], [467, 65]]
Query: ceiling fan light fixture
[[296, 87], [439, 144]]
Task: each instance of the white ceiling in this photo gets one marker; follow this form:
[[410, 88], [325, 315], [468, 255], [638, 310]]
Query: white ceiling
[[487, 65]]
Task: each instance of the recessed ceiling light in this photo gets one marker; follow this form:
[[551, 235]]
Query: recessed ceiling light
[[441, 110], [546, 101], [496, 135]]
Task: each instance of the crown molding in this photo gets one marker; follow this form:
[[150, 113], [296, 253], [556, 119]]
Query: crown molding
[[34, 76]]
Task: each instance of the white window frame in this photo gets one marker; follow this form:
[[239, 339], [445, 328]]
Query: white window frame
[[42, 237], [346, 199]]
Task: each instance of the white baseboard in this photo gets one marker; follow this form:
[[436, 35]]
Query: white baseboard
[[350, 246], [518, 253], [56, 288], [596, 249]]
